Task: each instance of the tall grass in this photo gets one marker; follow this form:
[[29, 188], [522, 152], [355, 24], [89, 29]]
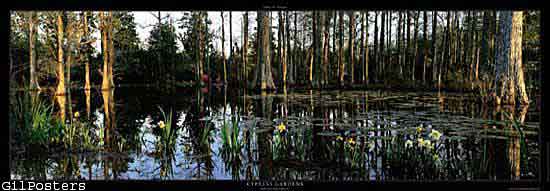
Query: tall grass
[[34, 122]]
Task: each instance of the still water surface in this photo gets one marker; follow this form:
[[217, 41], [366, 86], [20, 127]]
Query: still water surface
[[295, 135]]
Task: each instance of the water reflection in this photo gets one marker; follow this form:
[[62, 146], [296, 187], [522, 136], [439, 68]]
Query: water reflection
[[309, 135]]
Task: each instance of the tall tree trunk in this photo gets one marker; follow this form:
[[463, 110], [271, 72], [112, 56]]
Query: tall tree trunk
[[202, 45], [407, 56], [223, 52], [425, 36], [287, 45], [341, 47], [230, 45], [111, 50], [294, 50], [415, 62], [399, 33], [245, 47], [375, 55], [263, 68], [509, 74], [32, 57], [435, 63], [351, 45], [104, 50], [86, 56], [60, 91], [326, 27], [364, 46], [381, 60]]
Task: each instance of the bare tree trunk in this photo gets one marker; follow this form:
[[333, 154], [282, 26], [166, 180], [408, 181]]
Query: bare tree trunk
[[399, 33], [60, 71], [32, 57], [415, 41], [364, 46], [425, 36], [351, 45], [230, 45], [375, 55], [245, 46], [263, 68], [111, 50], [202, 45], [223, 52], [60, 91], [341, 48], [509, 73], [407, 56], [86, 56], [105, 50], [325, 47], [381, 60], [435, 63]]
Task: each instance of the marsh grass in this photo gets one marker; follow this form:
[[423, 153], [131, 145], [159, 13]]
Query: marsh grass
[[33, 121]]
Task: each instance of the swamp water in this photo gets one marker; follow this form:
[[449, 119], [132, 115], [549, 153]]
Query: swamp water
[[295, 135]]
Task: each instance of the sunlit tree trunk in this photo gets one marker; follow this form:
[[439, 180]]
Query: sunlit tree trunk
[[60, 71], [60, 91], [509, 73], [32, 57], [105, 50], [86, 56]]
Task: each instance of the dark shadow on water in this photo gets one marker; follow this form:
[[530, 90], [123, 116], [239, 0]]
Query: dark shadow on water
[[304, 135]]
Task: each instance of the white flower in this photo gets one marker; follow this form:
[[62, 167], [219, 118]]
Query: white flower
[[408, 144]]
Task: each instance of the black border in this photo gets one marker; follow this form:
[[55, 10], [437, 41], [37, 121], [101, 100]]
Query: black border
[[544, 176]]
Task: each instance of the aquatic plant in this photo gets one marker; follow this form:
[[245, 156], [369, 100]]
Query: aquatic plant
[[230, 134], [165, 125], [36, 122]]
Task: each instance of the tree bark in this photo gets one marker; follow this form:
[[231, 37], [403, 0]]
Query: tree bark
[[263, 68], [375, 55], [325, 47], [425, 36], [245, 46], [223, 51], [32, 57], [351, 45], [435, 63], [509, 73], [341, 48]]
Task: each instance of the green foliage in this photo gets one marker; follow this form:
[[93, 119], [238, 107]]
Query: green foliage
[[34, 122]]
